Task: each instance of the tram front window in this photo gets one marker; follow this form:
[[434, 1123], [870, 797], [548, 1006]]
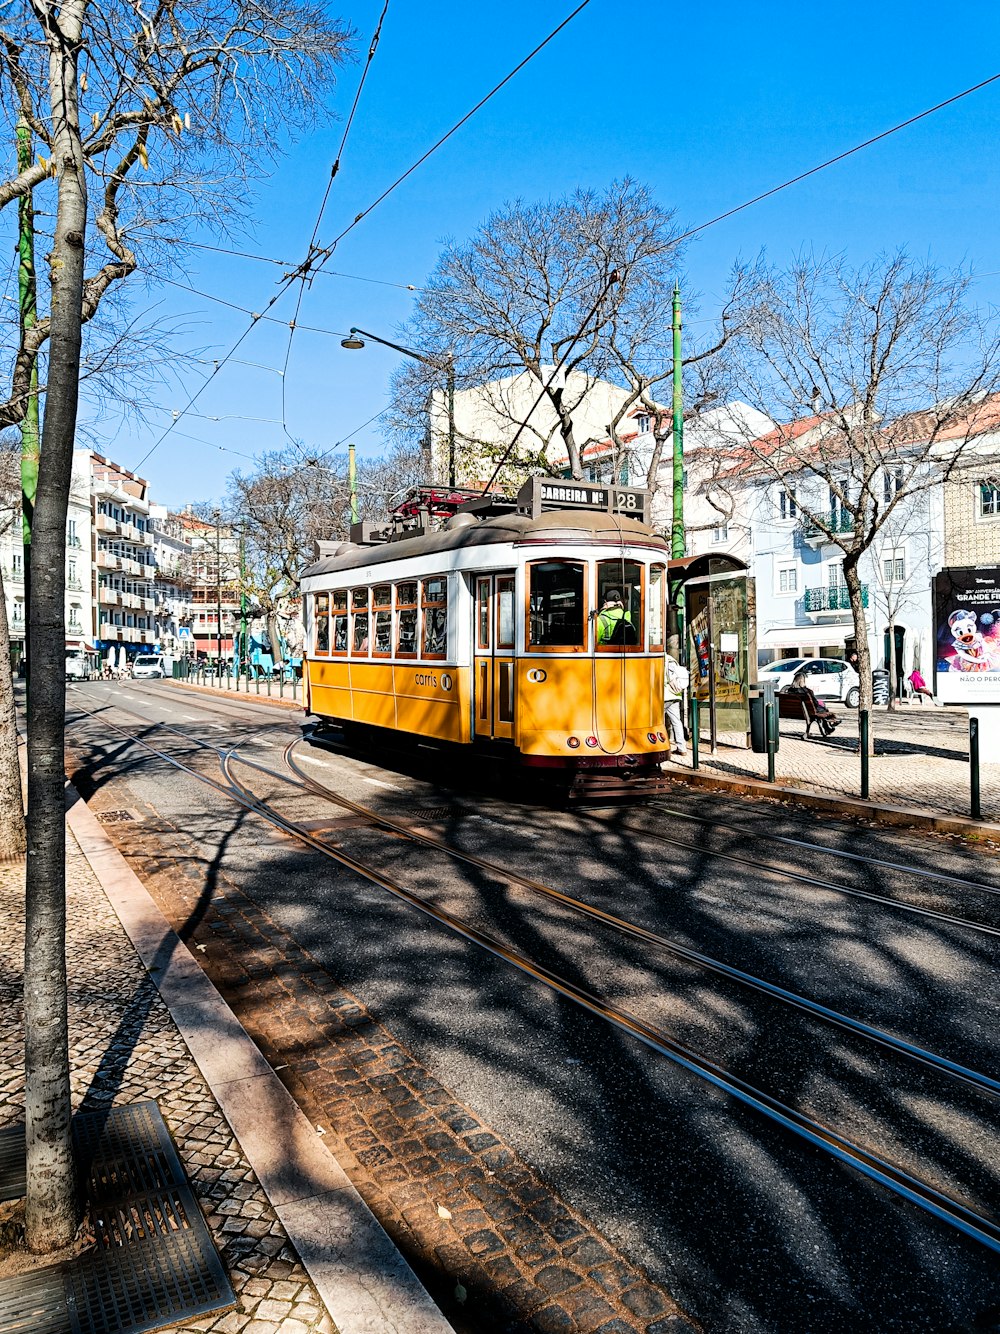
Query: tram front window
[[557, 606], [621, 581]]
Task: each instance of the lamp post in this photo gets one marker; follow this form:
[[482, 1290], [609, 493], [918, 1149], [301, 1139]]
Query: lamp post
[[217, 516], [446, 364]]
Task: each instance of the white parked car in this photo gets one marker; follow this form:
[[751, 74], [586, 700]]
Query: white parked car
[[827, 678], [149, 666]]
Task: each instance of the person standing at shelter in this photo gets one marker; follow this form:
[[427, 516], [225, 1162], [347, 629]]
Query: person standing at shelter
[[614, 624], [675, 681]]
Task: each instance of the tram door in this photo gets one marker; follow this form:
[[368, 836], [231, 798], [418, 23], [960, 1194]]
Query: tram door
[[494, 673]]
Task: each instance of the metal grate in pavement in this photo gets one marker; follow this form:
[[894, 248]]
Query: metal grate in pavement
[[114, 817], [12, 1183], [154, 1262]]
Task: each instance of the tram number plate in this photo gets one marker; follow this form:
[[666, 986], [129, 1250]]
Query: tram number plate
[[628, 501]]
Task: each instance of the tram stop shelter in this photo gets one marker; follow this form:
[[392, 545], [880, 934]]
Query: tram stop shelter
[[718, 597]]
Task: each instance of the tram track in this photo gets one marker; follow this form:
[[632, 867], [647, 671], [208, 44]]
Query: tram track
[[934, 1201]]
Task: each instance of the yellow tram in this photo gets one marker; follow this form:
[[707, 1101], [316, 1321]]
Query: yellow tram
[[487, 632]]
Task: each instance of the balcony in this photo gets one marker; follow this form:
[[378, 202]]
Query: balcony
[[839, 523], [105, 524], [74, 585], [109, 597], [832, 599], [108, 561], [12, 576]]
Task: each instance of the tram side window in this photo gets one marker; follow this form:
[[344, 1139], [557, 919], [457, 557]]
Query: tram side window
[[505, 613], [620, 580], [655, 607], [406, 620], [321, 621], [434, 603], [382, 613], [556, 605], [340, 620], [359, 621]]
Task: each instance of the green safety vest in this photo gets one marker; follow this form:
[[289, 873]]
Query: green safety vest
[[607, 620]]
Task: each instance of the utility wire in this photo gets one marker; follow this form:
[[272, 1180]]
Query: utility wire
[[912, 120], [327, 251], [304, 278], [287, 264], [254, 315]]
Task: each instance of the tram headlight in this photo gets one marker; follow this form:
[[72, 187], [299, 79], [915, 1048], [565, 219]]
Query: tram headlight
[[573, 742]]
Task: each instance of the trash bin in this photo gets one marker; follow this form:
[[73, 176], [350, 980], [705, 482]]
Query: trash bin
[[758, 714], [880, 686]]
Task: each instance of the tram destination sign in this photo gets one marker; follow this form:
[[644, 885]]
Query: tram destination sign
[[550, 493]]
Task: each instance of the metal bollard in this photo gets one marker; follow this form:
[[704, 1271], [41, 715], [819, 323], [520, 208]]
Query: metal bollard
[[769, 737], [695, 732], [864, 721], [975, 802]]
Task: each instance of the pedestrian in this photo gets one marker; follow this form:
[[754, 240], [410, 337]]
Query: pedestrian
[[919, 686], [828, 722], [614, 623], [675, 681], [852, 659]]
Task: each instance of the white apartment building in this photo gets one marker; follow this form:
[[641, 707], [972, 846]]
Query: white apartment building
[[173, 590], [79, 601], [124, 564]]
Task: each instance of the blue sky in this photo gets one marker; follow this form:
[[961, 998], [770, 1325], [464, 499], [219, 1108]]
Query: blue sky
[[707, 106]]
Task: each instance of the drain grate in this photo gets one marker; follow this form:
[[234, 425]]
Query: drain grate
[[114, 817], [12, 1182], [154, 1262]]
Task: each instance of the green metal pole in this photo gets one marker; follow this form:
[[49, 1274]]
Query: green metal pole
[[352, 482], [28, 307], [864, 721], [976, 802], [242, 651], [677, 524], [452, 473], [695, 732]]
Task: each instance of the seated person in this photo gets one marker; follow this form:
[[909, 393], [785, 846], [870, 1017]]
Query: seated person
[[824, 716]]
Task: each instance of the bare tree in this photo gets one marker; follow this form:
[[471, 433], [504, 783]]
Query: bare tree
[[12, 833], [883, 373], [537, 288], [143, 122]]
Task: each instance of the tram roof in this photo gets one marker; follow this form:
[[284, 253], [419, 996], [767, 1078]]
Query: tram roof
[[576, 526]]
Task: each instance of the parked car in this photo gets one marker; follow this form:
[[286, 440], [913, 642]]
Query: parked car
[[827, 678], [149, 665]]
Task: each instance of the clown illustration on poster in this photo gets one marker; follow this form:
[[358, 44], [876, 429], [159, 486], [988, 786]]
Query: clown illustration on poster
[[967, 630]]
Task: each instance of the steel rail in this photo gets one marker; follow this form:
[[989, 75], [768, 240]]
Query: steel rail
[[707, 963], [805, 844], [813, 1008], [936, 1203]]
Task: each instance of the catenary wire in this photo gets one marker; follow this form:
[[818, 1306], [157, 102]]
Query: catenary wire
[[328, 250], [305, 267], [289, 264]]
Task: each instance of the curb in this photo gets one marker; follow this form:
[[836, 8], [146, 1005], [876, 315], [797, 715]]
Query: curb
[[901, 817], [363, 1281], [248, 695]]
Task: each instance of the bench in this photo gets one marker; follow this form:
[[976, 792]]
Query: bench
[[797, 706]]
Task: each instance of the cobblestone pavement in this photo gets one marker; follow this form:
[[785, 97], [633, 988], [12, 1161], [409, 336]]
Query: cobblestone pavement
[[921, 760], [496, 1248], [124, 1047]]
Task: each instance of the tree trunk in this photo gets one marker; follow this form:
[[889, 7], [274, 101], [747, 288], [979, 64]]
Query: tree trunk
[[51, 1215], [854, 591], [12, 836]]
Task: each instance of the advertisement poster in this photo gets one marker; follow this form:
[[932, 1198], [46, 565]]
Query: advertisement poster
[[967, 635]]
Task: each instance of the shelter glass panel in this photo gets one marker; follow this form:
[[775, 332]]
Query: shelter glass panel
[[557, 605]]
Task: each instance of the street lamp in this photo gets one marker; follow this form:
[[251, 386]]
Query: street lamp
[[217, 516], [447, 364]]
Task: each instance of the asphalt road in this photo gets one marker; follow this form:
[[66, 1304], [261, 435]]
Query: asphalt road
[[748, 1227]]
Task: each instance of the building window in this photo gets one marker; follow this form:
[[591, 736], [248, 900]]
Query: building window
[[989, 498], [642, 423], [894, 567], [788, 579], [892, 483], [787, 508], [720, 533]]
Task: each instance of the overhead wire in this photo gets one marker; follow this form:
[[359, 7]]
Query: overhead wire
[[304, 278], [326, 251], [287, 264]]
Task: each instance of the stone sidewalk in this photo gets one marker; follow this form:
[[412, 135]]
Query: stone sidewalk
[[921, 760], [125, 1047]]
